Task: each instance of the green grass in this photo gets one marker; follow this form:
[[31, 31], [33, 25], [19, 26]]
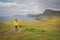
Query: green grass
[[30, 31]]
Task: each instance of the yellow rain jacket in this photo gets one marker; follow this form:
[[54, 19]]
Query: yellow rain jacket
[[16, 22]]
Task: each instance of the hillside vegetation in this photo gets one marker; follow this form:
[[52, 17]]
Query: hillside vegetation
[[49, 30]]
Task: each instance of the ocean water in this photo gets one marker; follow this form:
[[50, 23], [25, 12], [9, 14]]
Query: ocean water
[[30, 19], [9, 18]]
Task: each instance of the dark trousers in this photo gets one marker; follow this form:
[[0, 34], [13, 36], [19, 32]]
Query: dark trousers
[[16, 28]]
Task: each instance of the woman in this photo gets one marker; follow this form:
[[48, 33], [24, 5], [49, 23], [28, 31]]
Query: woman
[[16, 24]]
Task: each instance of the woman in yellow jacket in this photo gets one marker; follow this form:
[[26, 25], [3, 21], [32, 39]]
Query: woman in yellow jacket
[[16, 22]]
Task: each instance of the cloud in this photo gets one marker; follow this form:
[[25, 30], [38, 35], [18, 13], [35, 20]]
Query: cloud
[[49, 4], [42, 4], [11, 8], [27, 6]]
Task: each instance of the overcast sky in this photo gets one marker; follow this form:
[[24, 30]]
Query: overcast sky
[[22, 7]]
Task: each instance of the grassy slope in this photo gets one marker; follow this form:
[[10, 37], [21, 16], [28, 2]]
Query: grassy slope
[[31, 31]]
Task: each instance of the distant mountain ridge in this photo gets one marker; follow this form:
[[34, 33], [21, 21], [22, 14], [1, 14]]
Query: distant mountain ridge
[[49, 14], [33, 15]]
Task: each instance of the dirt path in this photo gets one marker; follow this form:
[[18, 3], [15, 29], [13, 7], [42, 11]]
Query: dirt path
[[12, 32]]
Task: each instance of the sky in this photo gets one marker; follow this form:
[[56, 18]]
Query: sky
[[23, 7]]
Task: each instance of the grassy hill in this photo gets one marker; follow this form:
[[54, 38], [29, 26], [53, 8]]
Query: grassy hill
[[49, 30]]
